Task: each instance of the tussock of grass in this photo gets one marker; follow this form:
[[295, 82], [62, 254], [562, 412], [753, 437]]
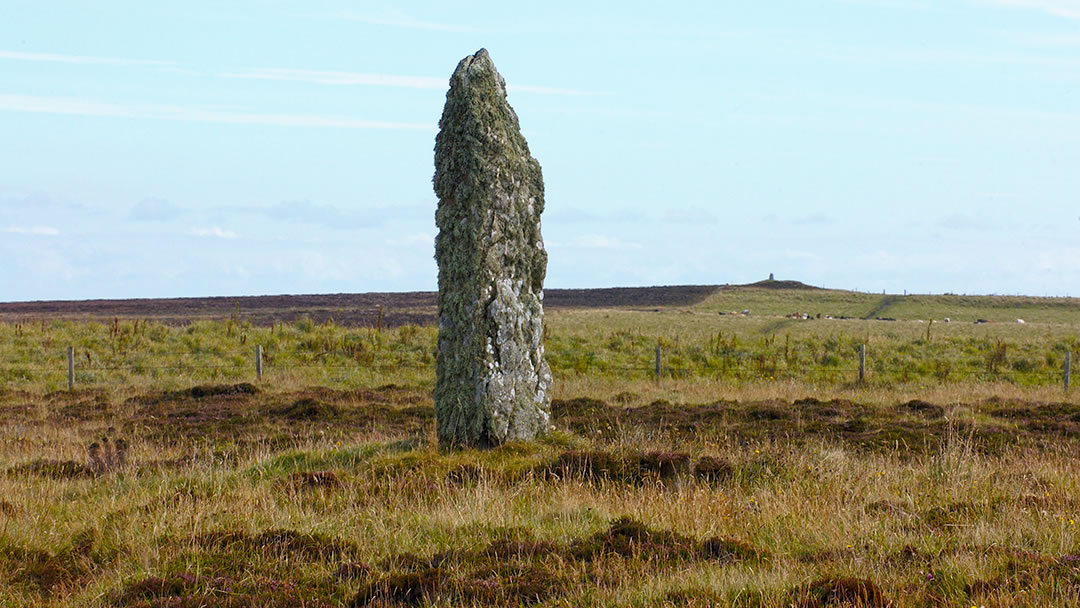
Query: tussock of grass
[[751, 478], [750, 503], [516, 569]]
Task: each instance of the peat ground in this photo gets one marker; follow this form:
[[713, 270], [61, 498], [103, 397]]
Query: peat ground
[[353, 310], [241, 417], [233, 495]]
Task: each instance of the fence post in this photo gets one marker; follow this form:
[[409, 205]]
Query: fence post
[[1068, 368], [658, 364], [862, 363], [71, 368], [258, 361]]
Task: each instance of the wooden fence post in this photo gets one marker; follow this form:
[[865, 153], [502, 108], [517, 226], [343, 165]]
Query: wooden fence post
[[1068, 368], [71, 367], [862, 363], [658, 364], [258, 361]]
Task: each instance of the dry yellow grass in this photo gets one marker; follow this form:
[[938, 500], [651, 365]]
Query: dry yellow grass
[[322, 486], [955, 526]]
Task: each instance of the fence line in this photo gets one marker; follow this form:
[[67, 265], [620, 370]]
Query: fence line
[[1068, 368], [857, 371]]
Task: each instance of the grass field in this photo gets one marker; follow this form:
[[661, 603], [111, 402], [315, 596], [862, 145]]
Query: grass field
[[755, 472], [709, 341]]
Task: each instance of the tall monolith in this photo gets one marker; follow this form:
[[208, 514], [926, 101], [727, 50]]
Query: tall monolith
[[492, 384]]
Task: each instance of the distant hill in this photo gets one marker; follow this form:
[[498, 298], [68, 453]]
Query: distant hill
[[360, 309], [763, 298], [771, 284]]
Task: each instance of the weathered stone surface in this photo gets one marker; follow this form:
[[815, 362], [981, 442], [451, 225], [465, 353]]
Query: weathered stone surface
[[493, 384]]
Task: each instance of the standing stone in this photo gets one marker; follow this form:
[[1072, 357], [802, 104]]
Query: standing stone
[[493, 384]]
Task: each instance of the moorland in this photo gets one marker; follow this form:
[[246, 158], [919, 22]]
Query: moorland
[[755, 470]]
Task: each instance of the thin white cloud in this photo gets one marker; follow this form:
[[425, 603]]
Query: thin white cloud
[[1062, 8], [908, 4], [214, 232], [405, 21], [1052, 39], [338, 217], [154, 209], [380, 80], [33, 230], [85, 107], [81, 59], [320, 214], [689, 215], [27, 200], [61, 105], [862, 55], [340, 78]]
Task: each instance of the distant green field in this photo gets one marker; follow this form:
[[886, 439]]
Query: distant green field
[[715, 339], [710, 340], [763, 301]]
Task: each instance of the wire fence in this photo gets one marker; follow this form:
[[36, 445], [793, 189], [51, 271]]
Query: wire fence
[[254, 364]]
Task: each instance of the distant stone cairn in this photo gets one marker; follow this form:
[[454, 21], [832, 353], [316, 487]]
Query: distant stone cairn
[[493, 384]]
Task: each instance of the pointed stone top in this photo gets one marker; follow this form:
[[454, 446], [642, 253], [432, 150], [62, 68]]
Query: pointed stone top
[[478, 68], [478, 128], [481, 56]]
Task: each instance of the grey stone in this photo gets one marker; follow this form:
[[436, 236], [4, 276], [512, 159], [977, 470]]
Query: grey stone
[[493, 384]]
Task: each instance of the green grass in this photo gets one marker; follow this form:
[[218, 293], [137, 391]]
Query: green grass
[[1005, 309], [755, 473], [618, 344]]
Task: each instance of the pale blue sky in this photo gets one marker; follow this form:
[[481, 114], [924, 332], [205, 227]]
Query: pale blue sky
[[241, 148]]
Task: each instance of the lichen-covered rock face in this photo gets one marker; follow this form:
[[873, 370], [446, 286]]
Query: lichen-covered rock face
[[493, 384]]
